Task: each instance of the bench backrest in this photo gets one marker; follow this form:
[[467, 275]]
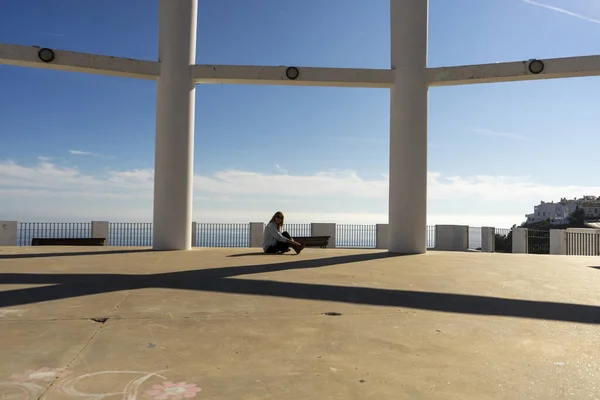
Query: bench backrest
[[313, 241], [68, 241]]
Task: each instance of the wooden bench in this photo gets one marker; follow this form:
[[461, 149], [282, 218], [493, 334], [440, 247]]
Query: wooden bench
[[313, 241], [68, 241]]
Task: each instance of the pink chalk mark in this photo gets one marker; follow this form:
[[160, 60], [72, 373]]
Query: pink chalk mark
[[173, 391]]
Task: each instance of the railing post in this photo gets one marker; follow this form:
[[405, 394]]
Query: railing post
[[452, 237], [8, 233], [194, 233], [381, 236], [324, 229], [100, 230], [256, 234], [558, 241], [519, 240], [488, 239]]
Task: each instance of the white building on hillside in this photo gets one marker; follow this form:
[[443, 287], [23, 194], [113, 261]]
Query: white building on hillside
[[591, 210], [558, 213], [553, 211]]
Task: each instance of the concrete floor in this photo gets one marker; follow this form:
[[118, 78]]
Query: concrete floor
[[327, 324]]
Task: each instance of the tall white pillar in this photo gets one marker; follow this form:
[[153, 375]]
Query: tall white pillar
[[175, 101], [408, 127]]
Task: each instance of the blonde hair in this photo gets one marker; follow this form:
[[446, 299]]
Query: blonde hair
[[273, 219]]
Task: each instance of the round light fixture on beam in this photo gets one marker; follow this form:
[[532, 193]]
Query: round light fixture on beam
[[292, 73], [536, 66], [46, 55]]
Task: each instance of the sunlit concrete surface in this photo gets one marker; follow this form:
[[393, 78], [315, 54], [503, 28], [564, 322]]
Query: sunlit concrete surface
[[327, 324]]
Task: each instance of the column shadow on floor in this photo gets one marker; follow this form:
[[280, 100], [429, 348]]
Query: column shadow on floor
[[226, 280]]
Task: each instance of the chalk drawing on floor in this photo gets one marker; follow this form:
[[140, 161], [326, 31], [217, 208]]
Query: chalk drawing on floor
[[34, 375], [20, 390], [173, 391], [30, 384], [15, 311]]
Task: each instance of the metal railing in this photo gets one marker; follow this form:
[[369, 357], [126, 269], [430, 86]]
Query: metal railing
[[356, 236], [502, 231], [503, 240], [296, 230], [430, 239], [583, 243], [126, 234], [51, 230], [222, 235], [538, 242], [130, 234]]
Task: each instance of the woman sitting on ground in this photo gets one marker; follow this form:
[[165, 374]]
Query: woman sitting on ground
[[276, 242]]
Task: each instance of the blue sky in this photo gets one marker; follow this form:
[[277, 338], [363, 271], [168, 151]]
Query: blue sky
[[85, 143]]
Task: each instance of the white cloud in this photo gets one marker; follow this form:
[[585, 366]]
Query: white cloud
[[283, 171], [506, 135], [47, 191], [50, 179], [322, 184], [562, 11], [88, 153]]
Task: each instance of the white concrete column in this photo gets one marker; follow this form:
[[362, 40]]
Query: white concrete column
[[100, 230], [488, 239], [519, 240], [8, 233], [257, 230], [558, 242], [175, 101], [324, 229], [381, 238], [408, 127]]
